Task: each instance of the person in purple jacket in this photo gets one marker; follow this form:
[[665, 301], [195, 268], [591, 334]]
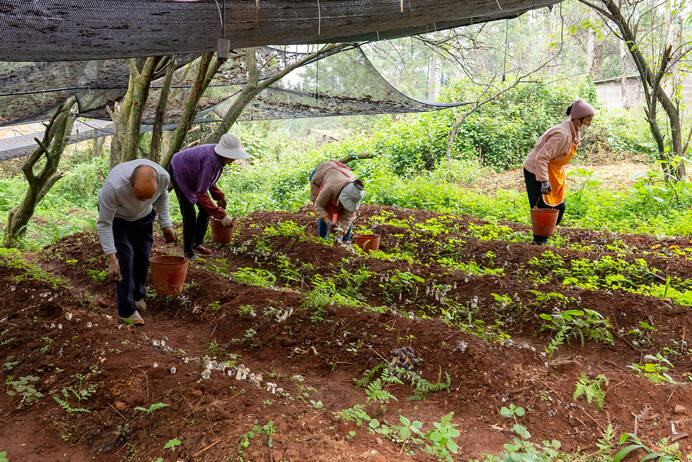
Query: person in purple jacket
[[194, 173]]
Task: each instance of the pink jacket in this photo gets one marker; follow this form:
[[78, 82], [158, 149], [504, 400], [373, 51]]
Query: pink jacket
[[329, 179], [556, 143]]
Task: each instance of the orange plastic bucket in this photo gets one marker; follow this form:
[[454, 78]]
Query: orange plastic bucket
[[168, 273], [543, 221], [367, 241], [219, 233]]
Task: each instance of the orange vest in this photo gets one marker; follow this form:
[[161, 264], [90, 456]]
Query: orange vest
[[558, 178]]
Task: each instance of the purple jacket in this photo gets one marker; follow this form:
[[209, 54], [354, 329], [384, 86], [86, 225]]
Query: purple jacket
[[196, 170]]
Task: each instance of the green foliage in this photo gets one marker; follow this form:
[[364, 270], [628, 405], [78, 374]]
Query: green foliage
[[4, 457], [64, 403], [355, 414], [375, 392], [591, 389], [24, 387], [97, 276], [173, 444], [503, 131], [580, 324], [671, 454], [441, 442], [214, 350], [325, 294], [655, 369], [246, 311], [246, 439], [521, 449], [388, 374], [255, 277], [151, 409]]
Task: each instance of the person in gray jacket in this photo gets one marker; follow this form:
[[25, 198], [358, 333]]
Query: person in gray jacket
[[125, 225]]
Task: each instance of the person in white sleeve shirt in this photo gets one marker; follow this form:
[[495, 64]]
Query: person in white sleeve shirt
[[129, 200]]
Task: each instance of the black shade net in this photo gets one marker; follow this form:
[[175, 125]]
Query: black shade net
[[66, 30]]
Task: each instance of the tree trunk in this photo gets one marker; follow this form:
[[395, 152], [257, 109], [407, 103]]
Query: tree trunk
[[96, 149], [652, 85], [119, 115], [55, 139], [590, 46], [250, 90], [127, 117], [208, 67], [623, 76], [432, 78], [156, 134], [140, 95]]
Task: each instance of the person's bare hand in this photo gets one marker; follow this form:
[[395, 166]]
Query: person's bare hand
[[114, 270], [169, 235]]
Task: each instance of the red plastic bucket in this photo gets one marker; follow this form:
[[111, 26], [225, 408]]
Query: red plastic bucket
[[543, 221], [219, 233], [168, 273], [367, 241]]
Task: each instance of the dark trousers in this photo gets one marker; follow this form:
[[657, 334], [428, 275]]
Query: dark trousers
[[533, 189], [194, 224], [323, 230], [133, 240]]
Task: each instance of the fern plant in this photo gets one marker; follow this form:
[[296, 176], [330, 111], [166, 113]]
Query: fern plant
[[375, 392], [66, 405], [576, 324], [419, 385], [355, 414], [591, 389], [154, 407]]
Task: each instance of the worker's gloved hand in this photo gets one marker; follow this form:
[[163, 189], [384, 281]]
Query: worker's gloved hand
[[227, 221], [114, 270], [545, 187], [169, 235], [221, 203]]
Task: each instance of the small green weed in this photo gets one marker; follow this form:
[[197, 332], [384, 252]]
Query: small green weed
[[97, 276], [656, 370], [25, 388], [173, 444], [591, 389], [246, 439], [255, 277], [215, 351], [668, 453], [151, 409], [576, 324], [246, 311]]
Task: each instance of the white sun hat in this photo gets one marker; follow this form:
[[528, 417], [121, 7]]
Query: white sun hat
[[351, 196], [230, 148]]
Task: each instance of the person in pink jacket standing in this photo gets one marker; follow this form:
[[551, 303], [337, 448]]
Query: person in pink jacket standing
[[544, 171]]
